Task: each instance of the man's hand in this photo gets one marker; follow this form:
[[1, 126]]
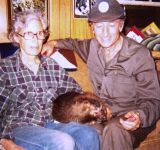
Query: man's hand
[[10, 145], [48, 48], [109, 113], [131, 121]]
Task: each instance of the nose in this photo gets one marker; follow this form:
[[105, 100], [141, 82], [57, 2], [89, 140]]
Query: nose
[[105, 29], [35, 37], [35, 40]]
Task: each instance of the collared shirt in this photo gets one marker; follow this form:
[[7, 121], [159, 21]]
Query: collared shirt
[[25, 98], [128, 82]]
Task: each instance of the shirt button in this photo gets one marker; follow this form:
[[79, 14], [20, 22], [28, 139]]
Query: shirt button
[[38, 100], [37, 90], [98, 87], [115, 72], [42, 107]]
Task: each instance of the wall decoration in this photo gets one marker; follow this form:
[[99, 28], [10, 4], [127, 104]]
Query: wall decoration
[[82, 7], [21, 5]]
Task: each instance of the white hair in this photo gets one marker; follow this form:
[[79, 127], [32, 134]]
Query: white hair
[[21, 19]]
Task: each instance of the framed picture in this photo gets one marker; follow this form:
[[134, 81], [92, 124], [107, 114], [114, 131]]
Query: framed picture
[[21, 5], [152, 28], [81, 8]]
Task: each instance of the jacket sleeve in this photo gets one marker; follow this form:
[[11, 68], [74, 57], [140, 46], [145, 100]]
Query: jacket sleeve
[[80, 46], [148, 90]]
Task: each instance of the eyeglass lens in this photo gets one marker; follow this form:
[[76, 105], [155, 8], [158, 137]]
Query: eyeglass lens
[[30, 35]]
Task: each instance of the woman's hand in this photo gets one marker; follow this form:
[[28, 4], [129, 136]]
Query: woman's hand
[[48, 48], [131, 121], [10, 145]]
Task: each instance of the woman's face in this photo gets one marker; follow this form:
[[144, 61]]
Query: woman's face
[[107, 33], [31, 38]]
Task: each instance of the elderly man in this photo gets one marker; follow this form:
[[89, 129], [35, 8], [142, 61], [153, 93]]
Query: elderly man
[[122, 72]]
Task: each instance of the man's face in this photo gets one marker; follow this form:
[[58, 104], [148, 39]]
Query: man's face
[[107, 33], [31, 46]]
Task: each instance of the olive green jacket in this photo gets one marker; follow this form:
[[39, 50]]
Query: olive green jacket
[[128, 82]]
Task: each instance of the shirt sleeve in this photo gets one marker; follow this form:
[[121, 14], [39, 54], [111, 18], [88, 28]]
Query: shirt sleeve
[[148, 90], [4, 92], [80, 46], [67, 83]]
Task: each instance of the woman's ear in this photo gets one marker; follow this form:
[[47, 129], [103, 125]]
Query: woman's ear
[[16, 38]]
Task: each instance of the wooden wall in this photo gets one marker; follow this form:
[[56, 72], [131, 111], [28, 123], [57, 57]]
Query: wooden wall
[[63, 24], [3, 21]]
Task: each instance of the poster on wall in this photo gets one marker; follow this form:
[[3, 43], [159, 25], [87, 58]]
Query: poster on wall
[[22, 5], [81, 8]]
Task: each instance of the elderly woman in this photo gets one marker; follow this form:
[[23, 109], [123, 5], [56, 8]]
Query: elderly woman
[[28, 83]]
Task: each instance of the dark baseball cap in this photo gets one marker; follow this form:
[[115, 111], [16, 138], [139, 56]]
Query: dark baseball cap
[[106, 10]]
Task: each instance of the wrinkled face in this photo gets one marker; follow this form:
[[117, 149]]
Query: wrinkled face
[[107, 33], [31, 46]]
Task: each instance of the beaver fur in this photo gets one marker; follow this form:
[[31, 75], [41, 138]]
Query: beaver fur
[[83, 108]]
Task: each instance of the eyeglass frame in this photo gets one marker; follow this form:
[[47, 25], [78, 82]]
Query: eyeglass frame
[[34, 34]]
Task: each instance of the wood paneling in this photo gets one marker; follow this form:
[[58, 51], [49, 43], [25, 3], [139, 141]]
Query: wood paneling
[[54, 18], [3, 21], [63, 24], [3, 14], [65, 18]]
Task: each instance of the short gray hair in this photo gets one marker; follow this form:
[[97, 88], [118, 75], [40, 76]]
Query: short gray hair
[[21, 19]]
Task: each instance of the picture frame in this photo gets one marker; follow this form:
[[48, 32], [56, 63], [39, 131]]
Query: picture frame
[[21, 5], [150, 29], [81, 8]]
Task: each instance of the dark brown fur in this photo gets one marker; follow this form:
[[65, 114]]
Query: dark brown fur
[[82, 108]]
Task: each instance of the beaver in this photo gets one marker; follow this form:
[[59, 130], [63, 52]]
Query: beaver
[[85, 108]]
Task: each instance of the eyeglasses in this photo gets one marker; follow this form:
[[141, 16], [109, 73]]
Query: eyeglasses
[[41, 35]]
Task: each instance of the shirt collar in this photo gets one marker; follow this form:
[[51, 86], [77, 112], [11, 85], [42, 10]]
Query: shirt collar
[[20, 65], [126, 50]]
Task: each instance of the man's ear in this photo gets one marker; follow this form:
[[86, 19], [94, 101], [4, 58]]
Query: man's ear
[[121, 25], [92, 29]]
